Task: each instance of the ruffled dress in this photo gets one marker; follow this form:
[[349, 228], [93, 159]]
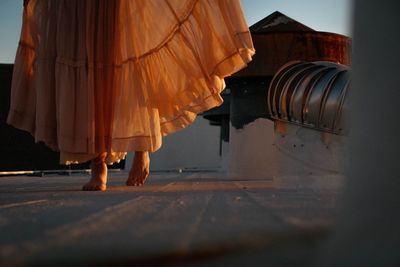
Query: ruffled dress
[[94, 76]]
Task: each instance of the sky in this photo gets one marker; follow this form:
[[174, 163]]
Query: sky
[[321, 15]]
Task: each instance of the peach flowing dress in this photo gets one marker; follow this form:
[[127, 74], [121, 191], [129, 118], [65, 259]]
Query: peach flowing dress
[[113, 76]]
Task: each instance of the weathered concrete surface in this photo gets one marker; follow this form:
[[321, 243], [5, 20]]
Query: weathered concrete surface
[[186, 219], [261, 149]]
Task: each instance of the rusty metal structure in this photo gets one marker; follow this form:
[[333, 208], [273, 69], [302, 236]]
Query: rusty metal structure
[[278, 40], [311, 94], [276, 49]]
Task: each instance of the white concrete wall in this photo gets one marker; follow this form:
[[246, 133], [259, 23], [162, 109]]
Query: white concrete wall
[[260, 151], [196, 147]]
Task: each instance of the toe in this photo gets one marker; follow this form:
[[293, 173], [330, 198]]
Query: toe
[[137, 182], [130, 181], [94, 187], [144, 178], [100, 187]]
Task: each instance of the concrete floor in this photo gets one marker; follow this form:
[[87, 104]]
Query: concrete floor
[[176, 219]]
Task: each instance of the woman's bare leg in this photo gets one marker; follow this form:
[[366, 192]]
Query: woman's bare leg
[[98, 180], [140, 169]]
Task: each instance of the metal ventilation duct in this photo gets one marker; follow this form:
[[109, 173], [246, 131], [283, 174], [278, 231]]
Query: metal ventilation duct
[[311, 94]]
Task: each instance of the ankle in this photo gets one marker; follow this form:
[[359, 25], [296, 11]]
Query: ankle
[[100, 159], [141, 154]]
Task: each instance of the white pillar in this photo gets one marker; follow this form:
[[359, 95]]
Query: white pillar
[[368, 230]]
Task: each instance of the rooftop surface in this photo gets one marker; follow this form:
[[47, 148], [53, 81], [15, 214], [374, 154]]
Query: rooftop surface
[[184, 219]]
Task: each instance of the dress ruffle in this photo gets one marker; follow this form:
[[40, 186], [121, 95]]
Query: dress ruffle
[[106, 75]]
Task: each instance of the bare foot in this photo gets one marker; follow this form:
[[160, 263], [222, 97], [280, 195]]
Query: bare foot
[[98, 180], [140, 169]]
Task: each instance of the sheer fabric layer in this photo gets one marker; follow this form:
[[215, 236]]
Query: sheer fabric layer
[[107, 75]]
